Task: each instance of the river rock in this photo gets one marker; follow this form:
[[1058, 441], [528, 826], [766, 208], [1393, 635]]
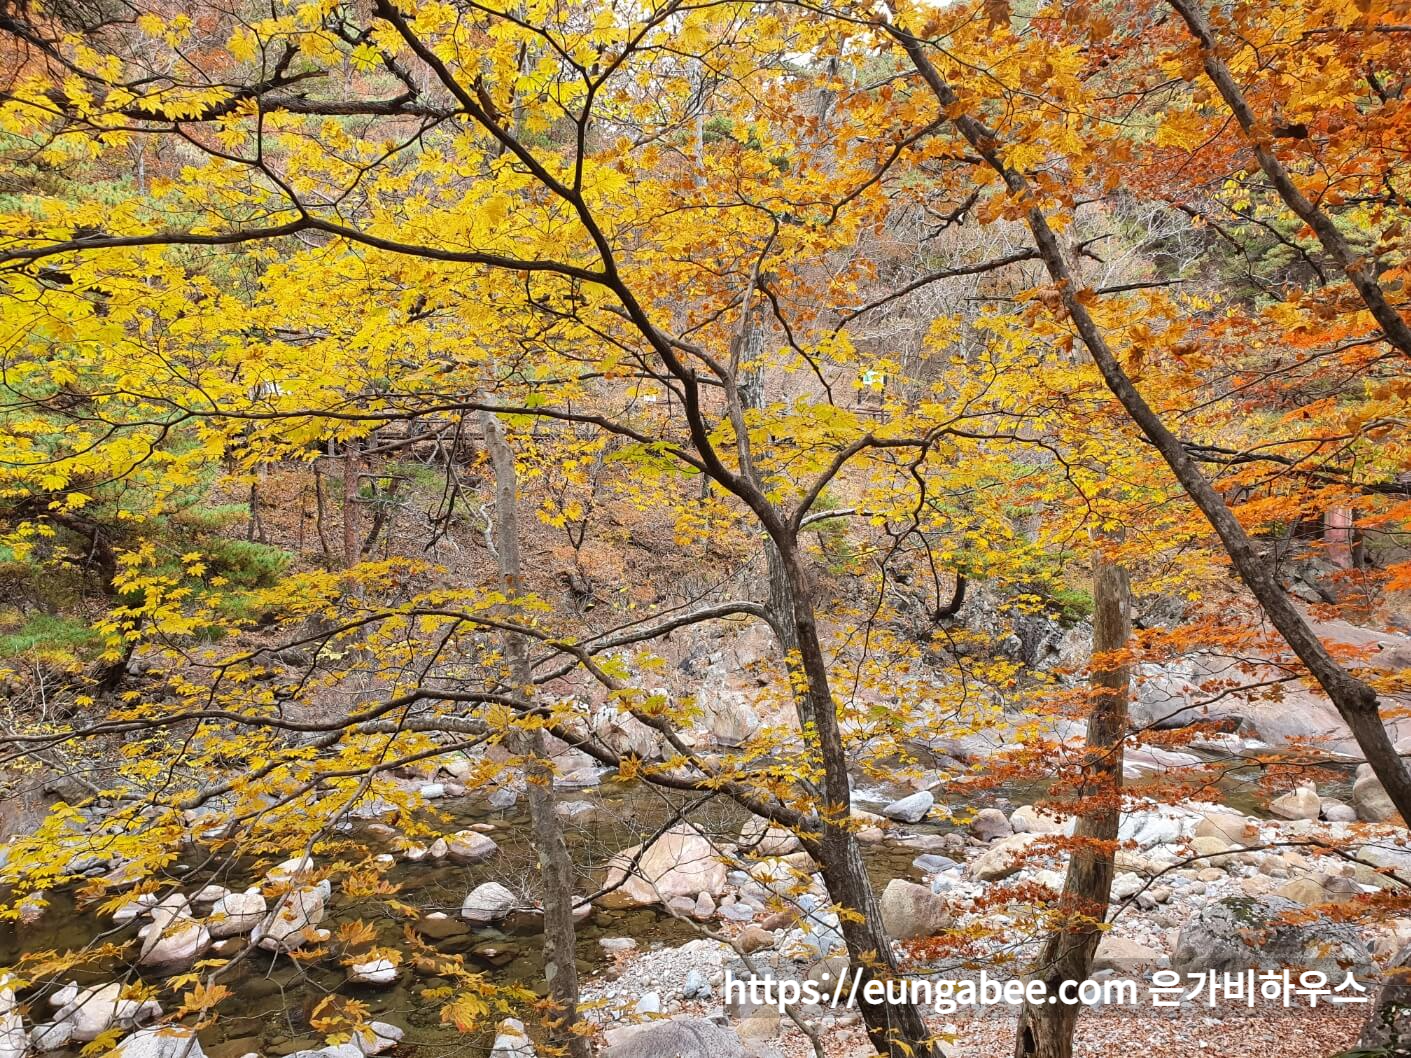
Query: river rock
[[1335, 811], [165, 1041], [1302, 803], [91, 1012], [469, 847], [763, 838], [511, 1041], [293, 921], [1155, 826], [910, 910], [489, 902], [755, 938], [1241, 933], [683, 1037], [728, 716], [175, 949], [1003, 858], [236, 913], [1125, 956], [377, 1037], [14, 1042], [1234, 829], [1370, 798], [1026, 819], [373, 972], [990, 824], [910, 809], [679, 863]]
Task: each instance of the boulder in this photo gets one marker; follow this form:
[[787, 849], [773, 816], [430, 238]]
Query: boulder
[[989, 824], [1026, 819], [1387, 1030], [469, 847], [910, 910], [293, 921], [90, 1012], [175, 948], [1125, 956], [763, 838], [728, 716], [489, 902], [236, 913], [14, 1042], [1241, 933], [373, 972], [1303, 803], [910, 809], [377, 1037], [1370, 798], [686, 1037], [679, 863], [165, 1041], [511, 1041], [1003, 858], [1234, 829]]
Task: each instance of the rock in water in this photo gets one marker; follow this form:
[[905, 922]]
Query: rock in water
[[910, 910], [511, 1041], [377, 1037], [236, 913], [1250, 933], [293, 921], [470, 847], [166, 1041], [13, 1040], [373, 972], [678, 1038], [487, 903], [910, 809]]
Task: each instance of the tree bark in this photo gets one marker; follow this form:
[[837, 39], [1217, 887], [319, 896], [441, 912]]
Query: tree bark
[[1046, 1029], [895, 1029], [555, 867]]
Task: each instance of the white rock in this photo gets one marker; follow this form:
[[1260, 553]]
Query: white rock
[[293, 920], [166, 1041], [14, 1042], [433, 791], [236, 913], [373, 972], [377, 1037], [1302, 803], [912, 808], [679, 863], [511, 1041], [488, 903], [468, 847]]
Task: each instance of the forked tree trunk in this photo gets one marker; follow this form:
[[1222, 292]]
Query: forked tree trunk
[[555, 868], [895, 1029], [1046, 1029]]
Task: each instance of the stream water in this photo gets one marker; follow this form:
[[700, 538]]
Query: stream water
[[275, 996]]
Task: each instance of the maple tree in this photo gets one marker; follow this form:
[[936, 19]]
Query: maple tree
[[824, 288]]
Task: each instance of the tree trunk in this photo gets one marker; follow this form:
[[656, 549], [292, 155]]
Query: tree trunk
[[350, 504], [555, 868], [895, 1029], [1046, 1029]]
